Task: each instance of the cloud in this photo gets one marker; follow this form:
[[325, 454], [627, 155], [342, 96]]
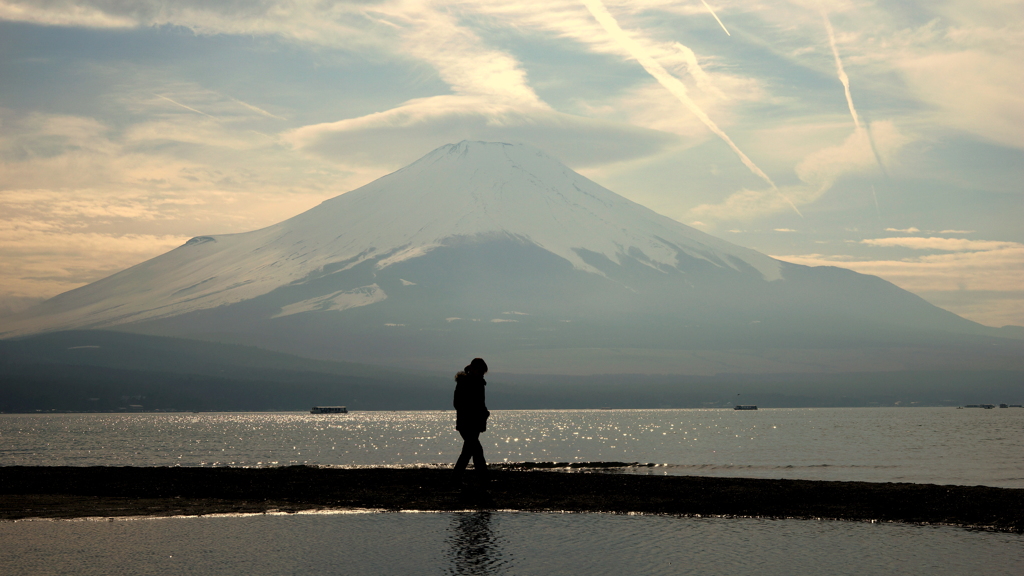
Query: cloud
[[491, 97], [649, 105], [199, 161], [975, 91], [821, 169], [910, 230], [41, 260], [80, 199], [944, 244], [649, 63], [957, 61], [62, 14], [402, 134], [981, 280], [999, 270], [818, 171]]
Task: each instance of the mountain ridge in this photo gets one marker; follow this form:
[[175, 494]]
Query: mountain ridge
[[498, 249], [497, 196]]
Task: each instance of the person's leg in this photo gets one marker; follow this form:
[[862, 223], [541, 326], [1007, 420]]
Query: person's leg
[[479, 463], [470, 441]]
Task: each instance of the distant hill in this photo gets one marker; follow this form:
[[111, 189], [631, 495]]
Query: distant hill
[[115, 371], [109, 371]]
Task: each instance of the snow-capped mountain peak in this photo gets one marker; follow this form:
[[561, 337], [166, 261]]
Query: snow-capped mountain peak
[[456, 193], [483, 188]]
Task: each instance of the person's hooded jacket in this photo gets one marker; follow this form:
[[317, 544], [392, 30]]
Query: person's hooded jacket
[[470, 408]]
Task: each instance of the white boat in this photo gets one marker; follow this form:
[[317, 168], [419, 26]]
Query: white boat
[[328, 410]]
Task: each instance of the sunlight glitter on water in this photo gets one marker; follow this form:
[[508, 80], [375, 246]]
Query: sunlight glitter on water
[[935, 445]]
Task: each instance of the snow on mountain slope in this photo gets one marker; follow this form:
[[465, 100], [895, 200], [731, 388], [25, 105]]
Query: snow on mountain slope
[[460, 191]]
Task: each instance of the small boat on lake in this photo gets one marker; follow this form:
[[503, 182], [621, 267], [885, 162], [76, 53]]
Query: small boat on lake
[[328, 410], [745, 407]]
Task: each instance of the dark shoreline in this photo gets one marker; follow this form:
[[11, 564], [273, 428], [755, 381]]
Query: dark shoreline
[[78, 492]]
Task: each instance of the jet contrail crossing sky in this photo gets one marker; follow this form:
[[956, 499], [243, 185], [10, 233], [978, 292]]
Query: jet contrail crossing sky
[[672, 84], [849, 97], [716, 18], [839, 68], [183, 106]]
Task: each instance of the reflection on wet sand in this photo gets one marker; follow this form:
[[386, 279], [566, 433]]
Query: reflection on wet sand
[[473, 546]]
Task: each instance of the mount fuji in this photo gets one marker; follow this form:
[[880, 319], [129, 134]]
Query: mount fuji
[[499, 250]]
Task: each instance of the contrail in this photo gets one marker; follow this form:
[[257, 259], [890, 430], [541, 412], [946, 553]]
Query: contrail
[[878, 157], [875, 196], [716, 18], [839, 68], [183, 106], [673, 85], [849, 97], [255, 108]]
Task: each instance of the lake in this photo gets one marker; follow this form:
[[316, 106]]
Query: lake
[[926, 445]]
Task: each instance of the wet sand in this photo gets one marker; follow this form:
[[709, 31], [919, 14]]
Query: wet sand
[[76, 492]]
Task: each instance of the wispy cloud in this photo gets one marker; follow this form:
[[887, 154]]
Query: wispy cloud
[[40, 261], [818, 171], [695, 70], [911, 230], [943, 244], [197, 159], [400, 135], [673, 85], [63, 14], [80, 199], [979, 279]]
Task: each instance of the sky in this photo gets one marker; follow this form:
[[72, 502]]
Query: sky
[[882, 136]]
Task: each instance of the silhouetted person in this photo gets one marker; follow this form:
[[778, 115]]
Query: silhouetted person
[[471, 415]]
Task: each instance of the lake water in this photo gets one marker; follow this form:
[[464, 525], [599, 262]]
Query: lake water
[[924, 445], [499, 543], [927, 445]]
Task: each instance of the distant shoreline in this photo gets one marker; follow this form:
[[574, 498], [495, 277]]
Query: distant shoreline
[[81, 492], [306, 411]]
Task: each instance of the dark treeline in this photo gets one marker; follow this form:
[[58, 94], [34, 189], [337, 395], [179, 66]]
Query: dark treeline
[[110, 371], [908, 388], [45, 387]]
